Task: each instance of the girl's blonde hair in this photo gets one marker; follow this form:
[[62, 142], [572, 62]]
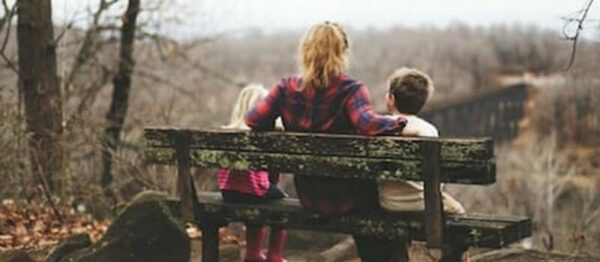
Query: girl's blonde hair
[[247, 99], [323, 54]]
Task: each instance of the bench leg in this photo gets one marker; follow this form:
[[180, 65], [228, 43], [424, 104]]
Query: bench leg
[[210, 243], [400, 254], [453, 254]]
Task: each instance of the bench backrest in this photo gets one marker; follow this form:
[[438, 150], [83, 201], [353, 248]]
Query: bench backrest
[[464, 161], [432, 160]]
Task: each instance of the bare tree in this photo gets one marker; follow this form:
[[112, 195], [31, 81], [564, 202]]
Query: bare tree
[[122, 87], [39, 81]]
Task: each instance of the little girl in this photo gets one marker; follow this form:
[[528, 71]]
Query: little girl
[[252, 186]]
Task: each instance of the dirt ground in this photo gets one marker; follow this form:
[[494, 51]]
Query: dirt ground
[[418, 252]]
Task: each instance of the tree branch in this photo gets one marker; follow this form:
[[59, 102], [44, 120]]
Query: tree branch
[[7, 20], [214, 73], [87, 48], [575, 37], [159, 79], [90, 95]]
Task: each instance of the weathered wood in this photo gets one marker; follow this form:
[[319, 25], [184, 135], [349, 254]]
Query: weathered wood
[[454, 253], [434, 216], [463, 230], [210, 243], [185, 191], [472, 172], [468, 161], [466, 149]]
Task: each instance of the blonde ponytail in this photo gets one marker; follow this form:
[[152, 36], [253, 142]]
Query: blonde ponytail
[[323, 54]]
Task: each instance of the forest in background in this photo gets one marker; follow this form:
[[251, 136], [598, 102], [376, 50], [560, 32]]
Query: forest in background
[[194, 83]]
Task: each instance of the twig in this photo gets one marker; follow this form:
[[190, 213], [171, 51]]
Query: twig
[[86, 50], [575, 37], [6, 12], [62, 34], [180, 53], [159, 79], [8, 21], [46, 188], [214, 73], [89, 97]]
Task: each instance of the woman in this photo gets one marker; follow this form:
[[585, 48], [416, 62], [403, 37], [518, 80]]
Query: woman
[[325, 99]]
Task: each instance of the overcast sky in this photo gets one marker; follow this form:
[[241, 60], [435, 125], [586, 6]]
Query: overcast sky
[[210, 16]]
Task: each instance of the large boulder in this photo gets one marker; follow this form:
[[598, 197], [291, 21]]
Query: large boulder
[[146, 230], [15, 256], [69, 245]]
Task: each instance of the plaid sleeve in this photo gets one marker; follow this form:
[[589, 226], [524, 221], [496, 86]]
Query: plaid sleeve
[[365, 120], [263, 115]]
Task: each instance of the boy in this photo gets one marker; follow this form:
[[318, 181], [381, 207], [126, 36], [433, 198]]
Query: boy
[[408, 90]]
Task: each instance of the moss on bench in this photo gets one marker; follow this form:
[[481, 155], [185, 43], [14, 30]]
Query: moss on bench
[[470, 230], [471, 172]]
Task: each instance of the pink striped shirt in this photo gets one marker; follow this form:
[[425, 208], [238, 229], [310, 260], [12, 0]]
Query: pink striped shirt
[[250, 182]]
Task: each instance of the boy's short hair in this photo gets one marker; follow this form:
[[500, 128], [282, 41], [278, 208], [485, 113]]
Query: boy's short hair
[[411, 88]]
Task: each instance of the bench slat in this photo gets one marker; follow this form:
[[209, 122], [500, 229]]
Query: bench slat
[[471, 230], [464, 149], [472, 172]]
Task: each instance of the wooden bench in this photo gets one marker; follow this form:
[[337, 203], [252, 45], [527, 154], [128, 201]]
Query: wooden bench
[[433, 160]]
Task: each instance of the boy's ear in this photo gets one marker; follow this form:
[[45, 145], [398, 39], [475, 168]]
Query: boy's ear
[[390, 100], [391, 97]]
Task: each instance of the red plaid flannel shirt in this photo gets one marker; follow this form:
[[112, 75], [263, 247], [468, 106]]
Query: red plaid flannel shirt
[[345, 107]]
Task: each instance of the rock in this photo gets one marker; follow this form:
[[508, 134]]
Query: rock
[[230, 252], [67, 246], [342, 251], [146, 230], [300, 239], [15, 256]]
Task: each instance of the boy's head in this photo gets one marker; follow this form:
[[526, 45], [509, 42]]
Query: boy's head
[[408, 90]]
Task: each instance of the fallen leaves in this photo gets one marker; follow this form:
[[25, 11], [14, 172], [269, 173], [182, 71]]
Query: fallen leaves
[[36, 226], [225, 235]]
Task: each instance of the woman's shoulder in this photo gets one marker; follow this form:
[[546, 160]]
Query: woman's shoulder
[[345, 83], [349, 83], [289, 83], [291, 80], [348, 79]]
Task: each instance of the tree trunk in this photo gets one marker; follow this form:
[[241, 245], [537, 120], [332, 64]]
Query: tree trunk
[[40, 85], [120, 100]]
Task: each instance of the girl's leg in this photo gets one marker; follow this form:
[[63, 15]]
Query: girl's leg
[[254, 242], [276, 244]]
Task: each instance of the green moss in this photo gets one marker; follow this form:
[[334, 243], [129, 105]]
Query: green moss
[[160, 155]]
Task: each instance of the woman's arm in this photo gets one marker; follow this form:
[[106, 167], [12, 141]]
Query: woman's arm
[[367, 121], [263, 115]]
